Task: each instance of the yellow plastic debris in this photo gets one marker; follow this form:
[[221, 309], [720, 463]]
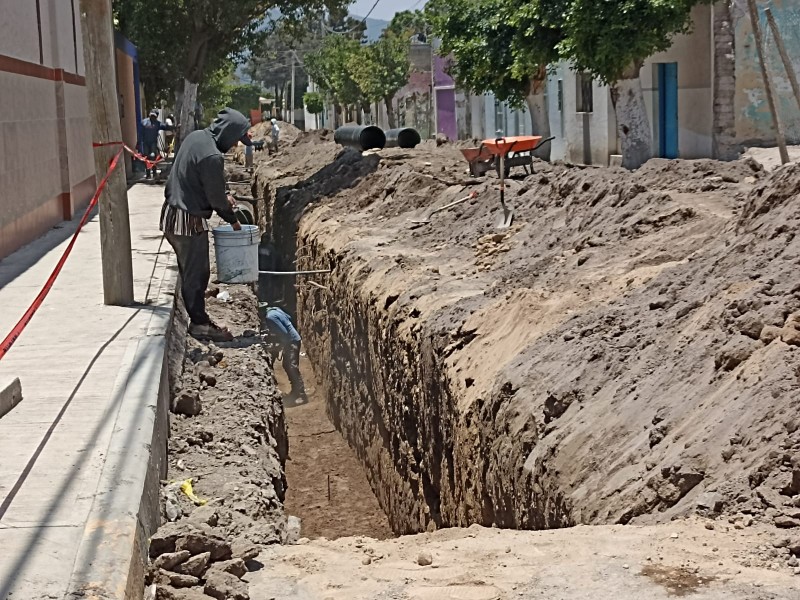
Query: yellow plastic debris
[[186, 488]]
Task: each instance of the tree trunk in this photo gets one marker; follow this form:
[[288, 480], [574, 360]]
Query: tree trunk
[[186, 119], [195, 64], [633, 126], [390, 112], [540, 116]]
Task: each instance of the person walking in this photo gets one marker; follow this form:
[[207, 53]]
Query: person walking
[[283, 334], [195, 189], [151, 126], [275, 133]]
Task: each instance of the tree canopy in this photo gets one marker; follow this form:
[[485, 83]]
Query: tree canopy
[[609, 38], [498, 46]]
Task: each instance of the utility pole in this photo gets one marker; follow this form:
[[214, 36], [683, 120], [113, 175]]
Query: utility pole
[[776, 118], [291, 108], [787, 63], [101, 85]]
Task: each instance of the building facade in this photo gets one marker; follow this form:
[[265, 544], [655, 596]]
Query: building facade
[[46, 161]]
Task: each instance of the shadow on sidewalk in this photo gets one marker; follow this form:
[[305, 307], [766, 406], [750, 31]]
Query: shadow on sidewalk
[[22, 259], [16, 572]]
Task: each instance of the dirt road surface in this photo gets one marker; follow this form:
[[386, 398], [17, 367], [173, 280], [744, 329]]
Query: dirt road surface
[[593, 563]]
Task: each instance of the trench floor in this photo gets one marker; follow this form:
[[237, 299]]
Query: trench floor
[[319, 454]]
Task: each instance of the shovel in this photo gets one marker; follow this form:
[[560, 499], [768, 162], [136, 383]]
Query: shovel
[[427, 219], [506, 218]]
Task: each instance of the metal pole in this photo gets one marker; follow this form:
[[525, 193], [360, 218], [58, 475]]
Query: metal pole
[[781, 138], [787, 63], [291, 108]]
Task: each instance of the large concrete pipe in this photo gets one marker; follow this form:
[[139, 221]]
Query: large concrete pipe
[[404, 137], [360, 137]]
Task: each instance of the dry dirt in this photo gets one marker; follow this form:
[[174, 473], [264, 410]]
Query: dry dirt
[[328, 486], [626, 353], [596, 563]]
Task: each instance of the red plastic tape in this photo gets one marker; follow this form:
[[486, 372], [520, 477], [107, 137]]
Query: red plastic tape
[[12, 337]]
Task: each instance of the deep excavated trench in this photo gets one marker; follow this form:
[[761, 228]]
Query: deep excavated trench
[[601, 362]]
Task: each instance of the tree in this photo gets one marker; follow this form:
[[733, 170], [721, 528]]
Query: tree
[[380, 70], [210, 32], [503, 47], [409, 24], [610, 39], [329, 67], [315, 104]]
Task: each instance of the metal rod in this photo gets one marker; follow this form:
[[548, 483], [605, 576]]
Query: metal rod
[[295, 272], [776, 119], [787, 63]]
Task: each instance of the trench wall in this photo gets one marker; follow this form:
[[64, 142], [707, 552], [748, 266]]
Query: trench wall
[[603, 365]]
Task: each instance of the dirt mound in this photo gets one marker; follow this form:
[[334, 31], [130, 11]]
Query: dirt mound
[[624, 353], [289, 133]]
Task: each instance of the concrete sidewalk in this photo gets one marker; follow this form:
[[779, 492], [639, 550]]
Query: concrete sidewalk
[[88, 439]]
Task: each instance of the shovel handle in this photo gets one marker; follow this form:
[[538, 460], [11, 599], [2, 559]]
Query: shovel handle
[[455, 203]]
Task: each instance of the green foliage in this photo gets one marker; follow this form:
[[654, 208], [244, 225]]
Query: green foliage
[[498, 46], [314, 102], [381, 69], [610, 39], [220, 89], [408, 23], [329, 67], [187, 38]]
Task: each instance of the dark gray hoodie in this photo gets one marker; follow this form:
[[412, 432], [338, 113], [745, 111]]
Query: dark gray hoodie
[[196, 182]]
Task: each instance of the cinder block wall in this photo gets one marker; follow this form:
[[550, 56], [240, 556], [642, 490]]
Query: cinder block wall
[[46, 160]]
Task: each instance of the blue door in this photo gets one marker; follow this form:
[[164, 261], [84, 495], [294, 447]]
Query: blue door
[[668, 110]]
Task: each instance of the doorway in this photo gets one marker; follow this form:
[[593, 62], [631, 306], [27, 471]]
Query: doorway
[[668, 110]]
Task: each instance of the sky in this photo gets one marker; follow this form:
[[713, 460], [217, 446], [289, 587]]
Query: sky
[[385, 9]]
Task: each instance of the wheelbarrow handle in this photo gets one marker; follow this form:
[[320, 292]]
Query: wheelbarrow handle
[[543, 142]]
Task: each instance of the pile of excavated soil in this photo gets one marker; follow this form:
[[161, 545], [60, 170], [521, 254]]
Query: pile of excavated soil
[[625, 353]]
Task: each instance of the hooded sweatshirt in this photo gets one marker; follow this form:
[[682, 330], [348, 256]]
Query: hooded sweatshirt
[[196, 182]]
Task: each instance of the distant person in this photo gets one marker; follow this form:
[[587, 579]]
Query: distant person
[[283, 334], [274, 135], [195, 189], [151, 126]]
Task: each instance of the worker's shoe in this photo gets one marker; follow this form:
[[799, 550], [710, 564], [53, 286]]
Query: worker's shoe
[[210, 333]]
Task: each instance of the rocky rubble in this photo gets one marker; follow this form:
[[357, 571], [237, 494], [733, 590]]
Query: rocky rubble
[[625, 354], [223, 499]]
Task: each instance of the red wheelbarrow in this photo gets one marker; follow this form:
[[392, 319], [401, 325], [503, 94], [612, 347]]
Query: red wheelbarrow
[[514, 151]]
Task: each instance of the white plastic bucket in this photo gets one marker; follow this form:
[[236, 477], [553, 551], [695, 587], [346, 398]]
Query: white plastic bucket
[[237, 253]]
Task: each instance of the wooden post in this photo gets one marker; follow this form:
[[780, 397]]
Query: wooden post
[[787, 63], [101, 84], [780, 136]]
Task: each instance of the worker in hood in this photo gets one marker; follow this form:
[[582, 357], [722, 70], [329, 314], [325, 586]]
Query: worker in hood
[[196, 189]]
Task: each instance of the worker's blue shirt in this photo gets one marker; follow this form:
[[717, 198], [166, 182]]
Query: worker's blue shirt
[[280, 325], [150, 131]]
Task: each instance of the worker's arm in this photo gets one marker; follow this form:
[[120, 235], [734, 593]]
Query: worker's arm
[[212, 178]]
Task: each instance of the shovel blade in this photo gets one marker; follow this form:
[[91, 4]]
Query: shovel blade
[[505, 219]]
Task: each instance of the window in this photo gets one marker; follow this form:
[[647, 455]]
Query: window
[[584, 100]]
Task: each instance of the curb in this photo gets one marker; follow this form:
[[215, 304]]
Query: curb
[[112, 556]]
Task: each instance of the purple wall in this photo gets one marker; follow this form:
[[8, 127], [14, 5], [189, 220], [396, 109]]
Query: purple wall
[[446, 120]]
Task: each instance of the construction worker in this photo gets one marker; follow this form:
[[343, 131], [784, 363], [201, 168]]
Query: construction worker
[[195, 189], [275, 133], [151, 126], [283, 335]]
